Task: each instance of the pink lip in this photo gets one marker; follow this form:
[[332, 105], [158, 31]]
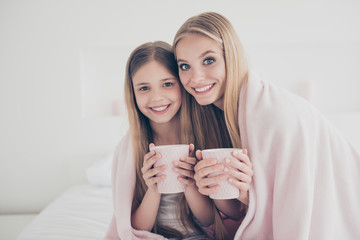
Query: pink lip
[[206, 91], [162, 111]]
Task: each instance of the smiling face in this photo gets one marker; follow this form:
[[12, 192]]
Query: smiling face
[[157, 92], [202, 69]]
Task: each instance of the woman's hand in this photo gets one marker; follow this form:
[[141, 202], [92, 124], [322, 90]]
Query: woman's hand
[[203, 168], [185, 168], [240, 172], [149, 171]]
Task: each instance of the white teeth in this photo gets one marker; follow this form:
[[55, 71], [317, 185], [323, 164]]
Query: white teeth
[[203, 89], [159, 109]]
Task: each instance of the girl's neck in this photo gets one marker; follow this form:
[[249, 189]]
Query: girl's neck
[[166, 133]]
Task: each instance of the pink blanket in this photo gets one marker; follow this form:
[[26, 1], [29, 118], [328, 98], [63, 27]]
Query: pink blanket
[[306, 174], [123, 184], [306, 181]]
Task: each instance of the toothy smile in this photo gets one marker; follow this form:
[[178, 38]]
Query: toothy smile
[[160, 108], [204, 89]]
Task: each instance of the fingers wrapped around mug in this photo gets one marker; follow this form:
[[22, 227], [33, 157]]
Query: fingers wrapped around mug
[[239, 171], [209, 185], [203, 169], [149, 172], [185, 168]]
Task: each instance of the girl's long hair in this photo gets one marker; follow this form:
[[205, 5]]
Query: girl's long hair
[[219, 29], [141, 132]]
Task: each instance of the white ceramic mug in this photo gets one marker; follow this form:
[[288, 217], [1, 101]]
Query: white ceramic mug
[[169, 153], [227, 190]]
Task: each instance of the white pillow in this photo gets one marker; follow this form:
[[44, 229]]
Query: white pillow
[[100, 172]]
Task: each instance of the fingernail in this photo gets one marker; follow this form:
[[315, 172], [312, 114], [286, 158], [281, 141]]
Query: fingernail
[[227, 160], [231, 180], [214, 161], [176, 163], [226, 169]]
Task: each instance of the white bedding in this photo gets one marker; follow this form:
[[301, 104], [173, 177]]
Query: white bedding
[[81, 213]]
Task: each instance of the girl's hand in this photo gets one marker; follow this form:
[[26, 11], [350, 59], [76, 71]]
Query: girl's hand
[[149, 171], [203, 168], [240, 174], [185, 168]]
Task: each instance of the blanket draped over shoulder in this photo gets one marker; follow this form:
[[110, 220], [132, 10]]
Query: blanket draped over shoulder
[[123, 185], [306, 182]]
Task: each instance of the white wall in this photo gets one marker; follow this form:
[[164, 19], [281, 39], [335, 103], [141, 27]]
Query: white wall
[[61, 65]]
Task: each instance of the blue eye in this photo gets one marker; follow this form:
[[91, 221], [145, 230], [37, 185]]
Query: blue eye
[[168, 84], [143, 88], [208, 61], [184, 66]]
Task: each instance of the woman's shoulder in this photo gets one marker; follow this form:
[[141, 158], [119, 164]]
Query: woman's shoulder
[[274, 104]]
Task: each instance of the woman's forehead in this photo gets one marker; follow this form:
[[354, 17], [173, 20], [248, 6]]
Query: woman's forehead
[[196, 44]]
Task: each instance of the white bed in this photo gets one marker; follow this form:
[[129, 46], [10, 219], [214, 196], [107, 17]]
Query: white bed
[[82, 212]]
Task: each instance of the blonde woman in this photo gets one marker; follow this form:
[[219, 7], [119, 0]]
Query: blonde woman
[[306, 174], [158, 114]]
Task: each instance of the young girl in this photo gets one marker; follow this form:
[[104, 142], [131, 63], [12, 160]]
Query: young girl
[[306, 174], [158, 115]]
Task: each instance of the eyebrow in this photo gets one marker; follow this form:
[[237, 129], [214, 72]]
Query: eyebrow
[[206, 52], [163, 80], [142, 83], [169, 78], [201, 55]]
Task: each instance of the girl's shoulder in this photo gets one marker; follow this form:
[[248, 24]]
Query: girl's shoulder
[[125, 141], [124, 147]]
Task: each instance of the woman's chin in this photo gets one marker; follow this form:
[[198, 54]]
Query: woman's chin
[[204, 102]]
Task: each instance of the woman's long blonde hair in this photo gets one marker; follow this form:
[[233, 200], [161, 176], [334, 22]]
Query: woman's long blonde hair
[[219, 29], [141, 132]]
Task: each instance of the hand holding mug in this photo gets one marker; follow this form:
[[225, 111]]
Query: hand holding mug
[[170, 154], [205, 169], [240, 172], [185, 168], [150, 173]]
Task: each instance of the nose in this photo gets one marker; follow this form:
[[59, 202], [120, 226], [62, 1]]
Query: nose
[[197, 76], [156, 95]]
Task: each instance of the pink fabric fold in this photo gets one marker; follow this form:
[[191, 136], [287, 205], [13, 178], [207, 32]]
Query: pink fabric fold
[[306, 173], [123, 185]]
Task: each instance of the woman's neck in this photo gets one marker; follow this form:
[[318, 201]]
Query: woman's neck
[[220, 103], [166, 133]]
